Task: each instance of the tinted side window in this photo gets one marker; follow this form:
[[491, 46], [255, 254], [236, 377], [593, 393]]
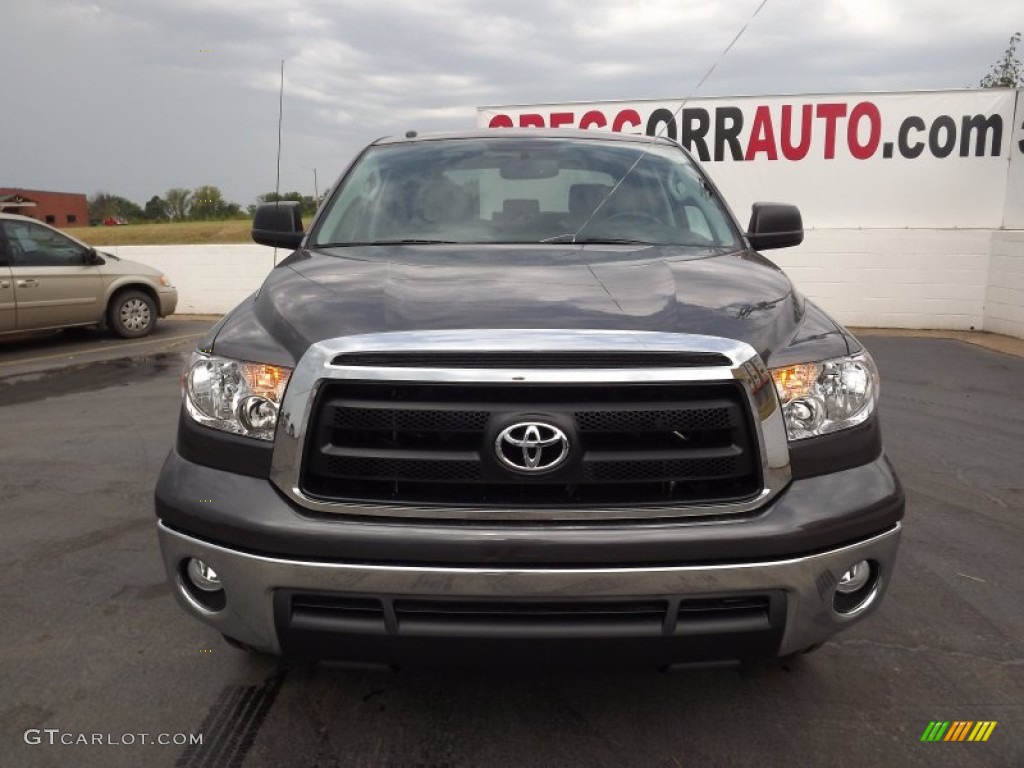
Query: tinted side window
[[32, 245], [5, 250]]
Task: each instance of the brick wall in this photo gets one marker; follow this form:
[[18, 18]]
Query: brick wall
[[61, 209]]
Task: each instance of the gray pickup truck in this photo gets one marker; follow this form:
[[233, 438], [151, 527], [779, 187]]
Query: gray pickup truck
[[528, 396]]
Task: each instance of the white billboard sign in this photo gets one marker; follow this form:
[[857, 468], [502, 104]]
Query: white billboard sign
[[936, 160]]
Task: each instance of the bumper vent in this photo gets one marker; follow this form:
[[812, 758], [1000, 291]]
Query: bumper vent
[[734, 614], [541, 618], [337, 613], [442, 618], [655, 630]]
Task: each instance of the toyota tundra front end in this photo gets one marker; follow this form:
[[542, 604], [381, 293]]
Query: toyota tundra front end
[[535, 397]]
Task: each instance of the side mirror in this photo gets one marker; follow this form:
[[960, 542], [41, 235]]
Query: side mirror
[[93, 258], [278, 224], [774, 225]]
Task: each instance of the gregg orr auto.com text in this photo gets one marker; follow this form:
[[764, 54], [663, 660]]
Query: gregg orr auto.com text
[[855, 130]]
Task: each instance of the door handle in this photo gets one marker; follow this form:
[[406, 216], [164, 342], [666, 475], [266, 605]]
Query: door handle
[[28, 283], [5, 283]]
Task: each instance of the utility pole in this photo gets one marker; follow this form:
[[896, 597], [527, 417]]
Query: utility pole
[[316, 187]]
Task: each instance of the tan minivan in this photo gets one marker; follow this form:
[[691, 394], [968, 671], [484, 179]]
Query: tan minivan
[[51, 280]]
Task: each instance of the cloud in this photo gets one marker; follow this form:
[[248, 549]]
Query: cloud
[[136, 96]]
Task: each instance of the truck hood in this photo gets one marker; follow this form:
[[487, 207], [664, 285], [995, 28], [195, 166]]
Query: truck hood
[[314, 296]]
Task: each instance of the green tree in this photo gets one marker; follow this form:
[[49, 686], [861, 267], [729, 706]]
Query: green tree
[[156, 208], [208, 203], [103, 206], [179, 201], [1007, 72], [307, 205]]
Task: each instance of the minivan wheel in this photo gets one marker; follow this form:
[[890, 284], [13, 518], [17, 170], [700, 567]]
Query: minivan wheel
[[132, 314]]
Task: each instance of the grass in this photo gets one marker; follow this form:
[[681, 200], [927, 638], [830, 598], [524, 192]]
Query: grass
[[167, 233]]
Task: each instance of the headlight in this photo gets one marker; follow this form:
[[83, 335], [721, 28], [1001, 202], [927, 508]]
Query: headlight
[[164, 281], [818, 398], [233, 395]]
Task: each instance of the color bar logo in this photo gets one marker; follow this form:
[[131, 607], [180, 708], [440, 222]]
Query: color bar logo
[[958, 730]]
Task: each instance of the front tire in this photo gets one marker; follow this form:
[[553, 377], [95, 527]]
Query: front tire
[[132, 314]]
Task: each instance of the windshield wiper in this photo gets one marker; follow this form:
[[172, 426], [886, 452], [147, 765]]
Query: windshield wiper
[[571, 238], [406, 241], [612, 241]]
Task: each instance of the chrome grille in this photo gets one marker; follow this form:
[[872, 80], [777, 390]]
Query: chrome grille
[[534, 360]]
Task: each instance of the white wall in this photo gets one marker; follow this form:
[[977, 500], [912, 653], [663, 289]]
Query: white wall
[[1013, 214], [1004, 290], [894, 278], [211, 279], [951, 279]]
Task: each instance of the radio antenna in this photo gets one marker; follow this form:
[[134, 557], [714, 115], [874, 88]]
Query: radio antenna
[[280, 118], [679, 109]]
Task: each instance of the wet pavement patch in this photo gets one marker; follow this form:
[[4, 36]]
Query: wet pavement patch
[[87, 377]]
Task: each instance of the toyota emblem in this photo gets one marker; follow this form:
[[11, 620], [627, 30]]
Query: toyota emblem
[[532, 446]]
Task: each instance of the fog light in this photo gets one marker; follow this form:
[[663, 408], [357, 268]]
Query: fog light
[[857, 589], [203, 576], [854, 579]]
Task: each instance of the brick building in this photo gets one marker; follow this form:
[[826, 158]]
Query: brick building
[[61, 209]]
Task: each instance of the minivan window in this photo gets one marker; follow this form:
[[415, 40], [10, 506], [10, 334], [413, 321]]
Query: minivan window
[[33, 245]]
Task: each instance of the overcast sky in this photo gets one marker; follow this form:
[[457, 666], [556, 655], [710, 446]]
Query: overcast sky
[[136, 96]]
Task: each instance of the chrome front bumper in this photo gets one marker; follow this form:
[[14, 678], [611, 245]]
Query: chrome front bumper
[[249, 583]]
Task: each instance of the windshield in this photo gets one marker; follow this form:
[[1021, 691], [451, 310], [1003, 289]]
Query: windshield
[[523, 190]]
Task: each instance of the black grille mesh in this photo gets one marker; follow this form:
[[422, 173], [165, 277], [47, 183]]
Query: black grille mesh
[[412, 469], [642, 471], [409, 421], [635, 444], [615, 421]]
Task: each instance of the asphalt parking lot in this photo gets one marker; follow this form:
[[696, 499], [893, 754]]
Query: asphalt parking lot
[[92, 641], [38, 353]]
